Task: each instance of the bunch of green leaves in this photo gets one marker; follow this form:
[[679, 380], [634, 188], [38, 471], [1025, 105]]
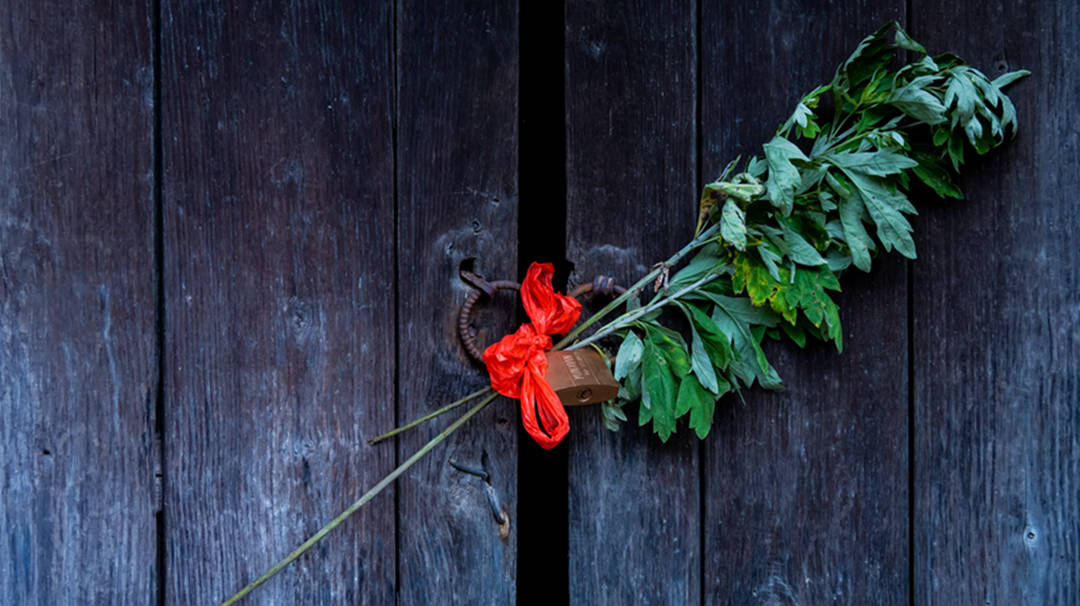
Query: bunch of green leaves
[[827, 194]]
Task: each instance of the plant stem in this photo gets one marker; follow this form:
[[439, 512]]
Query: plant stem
[[629, 317], [383, 483], [699, 240], [429, 416]]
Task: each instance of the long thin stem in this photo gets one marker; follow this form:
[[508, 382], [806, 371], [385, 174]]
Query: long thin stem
[[429, 416], [698, 241], [376, 489], [629, 317]]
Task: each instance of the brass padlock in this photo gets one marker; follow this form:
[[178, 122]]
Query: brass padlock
[[580, 376]]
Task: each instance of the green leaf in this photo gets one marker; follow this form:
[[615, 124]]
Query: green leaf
[[974, 131], [1008, 115], [629, 355], [885, 205], [700, 362], [808, 294], [858, 241], [795, 333], [961, 91], [869, 56], [701, 418], [930, 172], [770, 258], [914, 100], [644, 413], [733, 225], [783, 175], [659, 391], [717, 344], [879, 163], [630, 387], [610, 412], [956, 152], [671, 345], [699, 403], [704, 263], [799, 250], [1006, 79], [904, 41], [751, 362], [743, 310]]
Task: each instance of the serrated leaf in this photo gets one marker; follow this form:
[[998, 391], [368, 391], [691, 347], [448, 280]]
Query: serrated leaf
[[783, 175], [961, 91], [879, 163], [956, 152], [869, 56], [914, 100], [808, 294], [672, 346], [694, 399], [937, 178], [770, 258], [885, 205], [799, 250], [700, 362], [733, 225], [717, 344], [751, 362], [629, 355], [756, 167], [701, 418], [613, 415], [858, 241], [658, 395]]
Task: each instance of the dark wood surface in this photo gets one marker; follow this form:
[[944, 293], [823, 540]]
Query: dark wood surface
[[279, 297], [806, 496], [997, 332], [631, 171], [191, 366], [78, 371], [457, 206]]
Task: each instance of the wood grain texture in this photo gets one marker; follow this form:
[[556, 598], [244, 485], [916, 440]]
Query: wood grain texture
[[997, 330], [78, 368], [631, 201], [278, 220], [806, 492], [457, 200]]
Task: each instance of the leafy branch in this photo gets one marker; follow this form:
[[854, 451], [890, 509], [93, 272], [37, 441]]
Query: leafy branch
[[828, 193], [774, 237]]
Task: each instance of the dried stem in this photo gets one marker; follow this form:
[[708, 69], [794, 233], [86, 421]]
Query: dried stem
[[370, 494]]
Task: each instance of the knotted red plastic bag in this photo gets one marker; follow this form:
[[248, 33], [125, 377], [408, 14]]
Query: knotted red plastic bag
[[517, 365]]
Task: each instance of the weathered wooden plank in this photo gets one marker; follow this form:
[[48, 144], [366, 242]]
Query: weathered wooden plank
[[457, 184], [997, 330], [278, 219], [78, 372], [805, 490], [631, 169]]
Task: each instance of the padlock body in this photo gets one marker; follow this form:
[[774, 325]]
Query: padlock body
[[580, 377]]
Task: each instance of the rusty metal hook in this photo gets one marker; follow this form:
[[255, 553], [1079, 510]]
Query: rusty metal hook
[[601, 285]]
